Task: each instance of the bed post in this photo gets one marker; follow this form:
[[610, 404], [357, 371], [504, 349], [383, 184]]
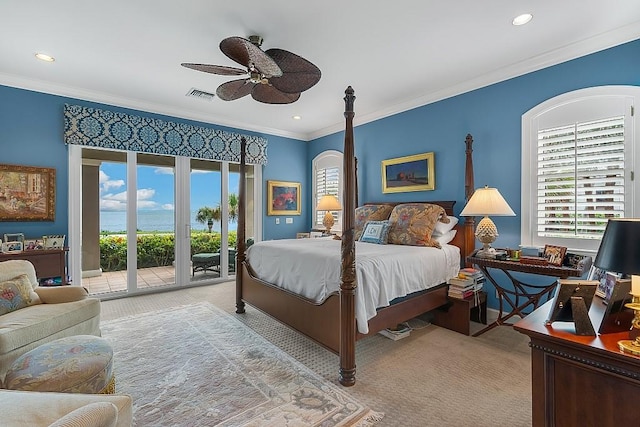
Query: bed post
[[348, 254], [240, 236], [469, 188]]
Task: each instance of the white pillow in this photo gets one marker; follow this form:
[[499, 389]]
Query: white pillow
[[442, 228], [446, 237]]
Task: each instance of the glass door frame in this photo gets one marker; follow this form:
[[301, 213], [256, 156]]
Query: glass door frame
[[182, 218]]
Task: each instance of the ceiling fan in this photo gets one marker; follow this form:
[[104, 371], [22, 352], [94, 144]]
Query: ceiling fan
[[275, 76]]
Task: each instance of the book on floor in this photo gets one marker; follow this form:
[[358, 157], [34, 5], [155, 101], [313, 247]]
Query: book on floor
[[398, 332]]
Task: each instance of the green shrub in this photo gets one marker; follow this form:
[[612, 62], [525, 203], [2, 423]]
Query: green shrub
[[155, 249]]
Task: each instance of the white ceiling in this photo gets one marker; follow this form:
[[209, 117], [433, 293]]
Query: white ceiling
[[397, 55]]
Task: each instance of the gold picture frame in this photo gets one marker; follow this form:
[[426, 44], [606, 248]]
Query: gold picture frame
[[27, 193], [410, 173], [283, 198]]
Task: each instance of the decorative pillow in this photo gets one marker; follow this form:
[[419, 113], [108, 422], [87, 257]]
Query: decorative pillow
[[17, 293], [413, 224], [445, 238], [442, 228], [375, 232], [369, 213]]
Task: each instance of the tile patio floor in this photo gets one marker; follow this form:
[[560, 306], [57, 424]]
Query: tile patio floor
[[116, 281]]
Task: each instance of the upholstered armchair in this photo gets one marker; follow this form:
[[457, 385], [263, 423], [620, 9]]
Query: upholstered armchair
[[31, 315]]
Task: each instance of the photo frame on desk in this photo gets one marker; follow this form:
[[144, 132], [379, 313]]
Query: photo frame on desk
[[554, 254], [571, 303], [617, 317]]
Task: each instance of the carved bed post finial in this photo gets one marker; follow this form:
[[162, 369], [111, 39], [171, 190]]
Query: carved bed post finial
[[240, 236], [347, 373]]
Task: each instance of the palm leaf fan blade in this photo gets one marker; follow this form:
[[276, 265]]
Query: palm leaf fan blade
[[248, 54], [234, 89], [215, 69], [270, 95], [298, 74]]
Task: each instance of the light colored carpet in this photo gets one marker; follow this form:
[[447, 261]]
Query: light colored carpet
[[197, 365], [434, 377]]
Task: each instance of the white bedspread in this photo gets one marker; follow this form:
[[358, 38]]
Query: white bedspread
[[311, 268]]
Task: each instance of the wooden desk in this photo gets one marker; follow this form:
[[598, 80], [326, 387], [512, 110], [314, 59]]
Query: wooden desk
[[523, 295], [47, 262], [580, 380]]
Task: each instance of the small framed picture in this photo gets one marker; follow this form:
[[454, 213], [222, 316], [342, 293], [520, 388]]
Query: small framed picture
[[554, 254], [55, 241], [600, 275], [12, 247], [302, 235], [14, 237], [314, 234], [33, 244], [610, 280]]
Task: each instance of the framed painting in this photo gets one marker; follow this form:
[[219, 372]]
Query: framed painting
[[554, 254], [283, 198], [411, 173], [27, 193]]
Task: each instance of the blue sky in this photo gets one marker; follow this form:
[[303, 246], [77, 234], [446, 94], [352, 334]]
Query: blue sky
[[156, 187]]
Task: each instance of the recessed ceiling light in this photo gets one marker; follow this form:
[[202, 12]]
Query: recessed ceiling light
[[296, 117], [45, 57], [522, 19]]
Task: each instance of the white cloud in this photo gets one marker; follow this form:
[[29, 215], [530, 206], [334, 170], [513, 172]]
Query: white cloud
[[118, 201], [163, 171], [168, 207], [107, 184]]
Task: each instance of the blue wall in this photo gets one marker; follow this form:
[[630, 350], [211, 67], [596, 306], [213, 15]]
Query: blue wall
[[31, 133], [493, 116]]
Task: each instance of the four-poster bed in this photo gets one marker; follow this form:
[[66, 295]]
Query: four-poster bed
[[332, 321]]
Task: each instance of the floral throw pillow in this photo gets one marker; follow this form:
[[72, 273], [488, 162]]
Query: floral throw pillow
[[413, 224], [369, 213], [16, 293], [375, 232]]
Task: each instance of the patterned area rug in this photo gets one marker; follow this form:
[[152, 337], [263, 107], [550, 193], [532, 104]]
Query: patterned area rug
[[197, 365]]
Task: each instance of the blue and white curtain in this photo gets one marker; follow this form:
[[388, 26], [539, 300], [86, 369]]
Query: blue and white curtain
[[94, 127]]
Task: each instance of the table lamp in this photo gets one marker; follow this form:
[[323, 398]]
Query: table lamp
[[619, 253], [484, 202], [328, 203]]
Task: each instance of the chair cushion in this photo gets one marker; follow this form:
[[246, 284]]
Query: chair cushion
[[97, 414], [23, 327]]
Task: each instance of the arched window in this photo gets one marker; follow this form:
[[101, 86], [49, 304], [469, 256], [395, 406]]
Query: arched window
[[578, 159], [327, 179]]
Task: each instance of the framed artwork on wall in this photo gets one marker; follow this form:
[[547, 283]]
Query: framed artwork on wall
[[27, 193], [283, 198], [410, 173]]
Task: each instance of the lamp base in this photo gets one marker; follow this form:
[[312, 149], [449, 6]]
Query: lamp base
[[633, 345]]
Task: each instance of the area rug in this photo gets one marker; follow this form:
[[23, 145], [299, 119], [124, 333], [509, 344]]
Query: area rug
[[197, 365]]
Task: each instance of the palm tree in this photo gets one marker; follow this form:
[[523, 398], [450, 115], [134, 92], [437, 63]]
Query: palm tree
[[207, 215]]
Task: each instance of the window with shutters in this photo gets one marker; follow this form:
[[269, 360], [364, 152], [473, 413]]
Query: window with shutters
[[577, 167], [327, 175]]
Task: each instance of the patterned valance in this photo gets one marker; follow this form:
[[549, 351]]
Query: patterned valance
[[108, 129]]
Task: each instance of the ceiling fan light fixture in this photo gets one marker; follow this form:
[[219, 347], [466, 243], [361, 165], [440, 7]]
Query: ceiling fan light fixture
[[522, 19]]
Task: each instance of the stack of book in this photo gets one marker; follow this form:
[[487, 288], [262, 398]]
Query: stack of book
[[400, 331], [467, 284]]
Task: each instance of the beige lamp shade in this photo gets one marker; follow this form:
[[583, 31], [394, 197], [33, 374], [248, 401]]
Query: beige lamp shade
[[485, 202], [328, 203]]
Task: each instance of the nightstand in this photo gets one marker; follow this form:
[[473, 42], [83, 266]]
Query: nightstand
[[458, 313]]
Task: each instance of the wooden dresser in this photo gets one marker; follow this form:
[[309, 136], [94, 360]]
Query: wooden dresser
[[580, 380], [47, 262]]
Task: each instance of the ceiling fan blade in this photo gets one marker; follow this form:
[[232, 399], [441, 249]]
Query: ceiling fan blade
[[269, 95], [248, 54], [234, 89], [298, 74], [215, 69]]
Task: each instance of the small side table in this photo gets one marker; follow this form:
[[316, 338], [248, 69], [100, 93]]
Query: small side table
[[523, 295], [458, 313]]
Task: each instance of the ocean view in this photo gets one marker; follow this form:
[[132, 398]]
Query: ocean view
[[157, 220]]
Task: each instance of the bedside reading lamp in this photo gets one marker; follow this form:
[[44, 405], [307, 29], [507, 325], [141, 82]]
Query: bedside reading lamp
[[484, 202], [328, 203], [618, 253]]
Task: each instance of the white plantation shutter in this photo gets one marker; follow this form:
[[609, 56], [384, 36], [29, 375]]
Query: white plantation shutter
[[327, 170], [327, 182], [580, 178], [578, 160]]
